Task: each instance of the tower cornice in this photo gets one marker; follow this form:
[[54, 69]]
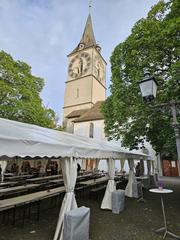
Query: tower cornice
[[89, 75], [82, 50]]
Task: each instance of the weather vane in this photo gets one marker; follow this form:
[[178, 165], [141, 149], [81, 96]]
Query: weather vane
[[90, 2]]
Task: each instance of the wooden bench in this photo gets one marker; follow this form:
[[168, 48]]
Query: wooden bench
[[12, 204]]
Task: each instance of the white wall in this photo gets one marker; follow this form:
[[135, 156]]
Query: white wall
[[82, 129]]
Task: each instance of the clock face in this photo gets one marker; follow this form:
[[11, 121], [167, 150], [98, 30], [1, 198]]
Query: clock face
[[79, 65], [99, 68]]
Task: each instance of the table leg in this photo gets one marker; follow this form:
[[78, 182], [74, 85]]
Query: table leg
[[165, 224], [173, 235], [164, 216], [160, 229]]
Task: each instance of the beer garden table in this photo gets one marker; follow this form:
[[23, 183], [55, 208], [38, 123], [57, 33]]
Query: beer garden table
[[7, 184], [164, 228], [5, 191], [46, 178]]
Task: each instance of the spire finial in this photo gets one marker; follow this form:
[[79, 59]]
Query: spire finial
[[90, 2]]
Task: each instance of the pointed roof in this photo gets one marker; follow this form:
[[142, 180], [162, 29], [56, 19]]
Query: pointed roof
[[88, 34], [88, 38]]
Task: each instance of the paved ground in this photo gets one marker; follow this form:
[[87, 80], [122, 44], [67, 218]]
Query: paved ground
[[137, 222]]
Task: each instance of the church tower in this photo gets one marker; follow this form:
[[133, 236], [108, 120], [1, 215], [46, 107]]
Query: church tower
[[85, 83]]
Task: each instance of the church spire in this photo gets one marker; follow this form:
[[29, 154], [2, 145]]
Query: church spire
[[88, 35], [88, 39]]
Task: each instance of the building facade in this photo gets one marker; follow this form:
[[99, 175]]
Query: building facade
[[85, 90], [85, 85]]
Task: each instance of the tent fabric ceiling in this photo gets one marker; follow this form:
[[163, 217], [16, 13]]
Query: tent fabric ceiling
[[22, 139]]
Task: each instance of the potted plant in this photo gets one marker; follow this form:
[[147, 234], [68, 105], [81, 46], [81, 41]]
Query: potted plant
[[160, 185]]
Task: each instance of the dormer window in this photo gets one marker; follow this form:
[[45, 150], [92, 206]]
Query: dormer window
[[98, 48], [81, 46]]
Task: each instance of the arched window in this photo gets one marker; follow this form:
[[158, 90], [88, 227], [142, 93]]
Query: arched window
[[91, 130]]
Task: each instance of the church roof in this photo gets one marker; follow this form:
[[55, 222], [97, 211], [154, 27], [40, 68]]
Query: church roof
[[91, 114], [76, 113], [88, 39]]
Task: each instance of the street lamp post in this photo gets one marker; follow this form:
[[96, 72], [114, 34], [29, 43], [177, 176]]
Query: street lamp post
[[148, 87]]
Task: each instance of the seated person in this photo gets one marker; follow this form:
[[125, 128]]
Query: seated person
[[48, 168], [55, 168], [28, 167], [41, 172], [52, 168], [14, 168], [38, 167]]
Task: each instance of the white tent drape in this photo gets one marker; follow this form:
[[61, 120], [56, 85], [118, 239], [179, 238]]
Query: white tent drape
[[97, 164], [145, 151], [132, 179], [44, 163], [111, 186], [20, 163], [83, 164], [122, 162], [69, 171], [3, 167]]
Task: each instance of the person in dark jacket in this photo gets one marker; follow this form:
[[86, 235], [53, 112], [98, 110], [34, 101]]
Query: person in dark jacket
[[137, 170], [78, 168]]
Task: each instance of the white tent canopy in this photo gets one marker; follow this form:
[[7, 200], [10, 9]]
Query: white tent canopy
[[22, 139]]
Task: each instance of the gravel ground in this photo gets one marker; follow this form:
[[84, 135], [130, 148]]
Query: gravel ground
[[137, 222]]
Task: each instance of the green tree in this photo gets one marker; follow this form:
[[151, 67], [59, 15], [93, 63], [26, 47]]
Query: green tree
[[20, 94], [153, 44], [60, 128]]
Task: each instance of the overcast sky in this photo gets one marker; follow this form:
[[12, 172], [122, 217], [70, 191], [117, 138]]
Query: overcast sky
[[43, 32]]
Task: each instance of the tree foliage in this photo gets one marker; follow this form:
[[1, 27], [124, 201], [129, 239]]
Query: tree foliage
[[20, 94], [153, 44]]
